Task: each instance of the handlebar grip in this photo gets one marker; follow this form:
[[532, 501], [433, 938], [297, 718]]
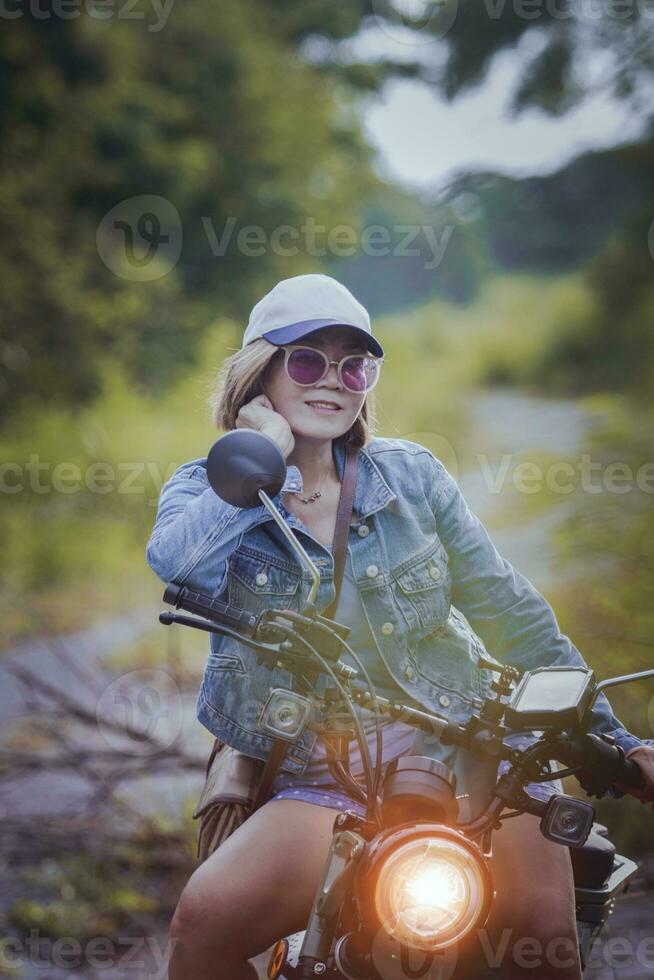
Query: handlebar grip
[[209, 608], [601, 763]]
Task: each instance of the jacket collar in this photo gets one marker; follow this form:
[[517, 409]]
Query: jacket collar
[[372, 491]]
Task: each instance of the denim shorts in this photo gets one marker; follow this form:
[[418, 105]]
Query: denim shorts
[[475, 779]]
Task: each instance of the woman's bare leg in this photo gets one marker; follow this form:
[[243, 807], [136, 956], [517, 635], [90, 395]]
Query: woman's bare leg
[[256, 888], [531, 929], [260, 886]]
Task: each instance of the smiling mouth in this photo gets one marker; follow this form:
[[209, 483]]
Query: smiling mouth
[[325, 406]]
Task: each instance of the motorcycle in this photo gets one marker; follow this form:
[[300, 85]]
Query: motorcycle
[[406, 886]]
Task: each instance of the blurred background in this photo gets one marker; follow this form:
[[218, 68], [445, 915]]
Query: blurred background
[[482, 178]]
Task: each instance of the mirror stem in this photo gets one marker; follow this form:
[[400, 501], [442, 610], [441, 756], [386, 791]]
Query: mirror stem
[[295, 545], [614, 681]]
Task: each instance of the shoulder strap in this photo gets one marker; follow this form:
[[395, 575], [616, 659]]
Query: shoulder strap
[[343, 519], [272, 764], [339, 551]]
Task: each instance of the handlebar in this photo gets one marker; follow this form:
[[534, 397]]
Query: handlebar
[[212, 609], [596, 761], [601, 763]]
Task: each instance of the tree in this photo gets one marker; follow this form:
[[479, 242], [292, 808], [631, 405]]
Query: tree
[[215, 117]]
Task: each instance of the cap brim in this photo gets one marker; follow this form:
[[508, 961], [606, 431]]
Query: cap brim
[[295, 331]]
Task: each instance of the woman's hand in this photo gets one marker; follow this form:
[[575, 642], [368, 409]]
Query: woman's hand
[[259, 414], [643, 756]]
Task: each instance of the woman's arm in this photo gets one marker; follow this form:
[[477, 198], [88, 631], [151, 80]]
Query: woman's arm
[[195, 531], [515, 621]]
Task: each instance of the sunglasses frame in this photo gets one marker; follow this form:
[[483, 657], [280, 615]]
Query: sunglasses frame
[[289, 348]]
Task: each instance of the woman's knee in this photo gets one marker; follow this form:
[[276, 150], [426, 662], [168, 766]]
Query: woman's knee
[[544, 933], [216, 905], [536, 940], [228, 904], [206, 925], [533, 919], [545, 914]]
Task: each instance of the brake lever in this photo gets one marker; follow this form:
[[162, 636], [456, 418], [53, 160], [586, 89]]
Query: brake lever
[[283, 656], [324, 634]]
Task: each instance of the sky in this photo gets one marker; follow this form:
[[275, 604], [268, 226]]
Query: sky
[[423, 141]]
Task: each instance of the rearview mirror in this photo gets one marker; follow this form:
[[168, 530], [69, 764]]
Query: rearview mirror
[[246, 468], [243, 462]]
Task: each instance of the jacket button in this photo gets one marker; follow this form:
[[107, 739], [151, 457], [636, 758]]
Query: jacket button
[[444, 700], [363, 531], [387, 629], [261, 578], [408, 671], [371, 571], [435, 572]]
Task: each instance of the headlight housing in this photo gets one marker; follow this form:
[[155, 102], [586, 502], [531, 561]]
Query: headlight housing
[[426, 886]]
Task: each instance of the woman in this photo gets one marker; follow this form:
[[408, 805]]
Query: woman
[[423, 591]]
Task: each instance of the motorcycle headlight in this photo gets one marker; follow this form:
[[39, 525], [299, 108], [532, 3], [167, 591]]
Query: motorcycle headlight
[[430, 888]]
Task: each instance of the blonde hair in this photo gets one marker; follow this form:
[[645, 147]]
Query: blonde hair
[[241, 378]]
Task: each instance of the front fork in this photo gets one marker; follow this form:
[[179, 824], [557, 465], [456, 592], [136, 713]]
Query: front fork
[[340, 866]]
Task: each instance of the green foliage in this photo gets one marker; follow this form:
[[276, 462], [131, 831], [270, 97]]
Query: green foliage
[[602, 567], [487, 224], [218, 114], [551, 39], [611, 346], [609, 608], [506, 336], [82, 903], [120, 449], [224, 113], [121, 883], [93, 476]]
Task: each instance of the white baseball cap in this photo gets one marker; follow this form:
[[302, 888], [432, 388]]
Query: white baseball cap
[[301, 304]]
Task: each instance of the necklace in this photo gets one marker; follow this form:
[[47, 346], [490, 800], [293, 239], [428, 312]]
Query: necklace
[[314, 496], [310, 500]]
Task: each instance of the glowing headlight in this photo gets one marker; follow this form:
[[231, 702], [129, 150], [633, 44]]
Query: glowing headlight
[[431, 891]]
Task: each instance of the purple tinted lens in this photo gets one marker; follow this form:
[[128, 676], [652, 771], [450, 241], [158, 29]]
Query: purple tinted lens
[[305, 367], [359, 373]]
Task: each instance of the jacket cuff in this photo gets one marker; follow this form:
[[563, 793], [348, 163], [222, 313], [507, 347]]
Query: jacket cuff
[[625, 739]]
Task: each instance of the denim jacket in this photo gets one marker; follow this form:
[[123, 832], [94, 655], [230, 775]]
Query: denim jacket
[[436, 592]]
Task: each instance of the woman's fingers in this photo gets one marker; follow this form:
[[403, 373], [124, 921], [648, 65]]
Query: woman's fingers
[[264, 401], [643, 756], [259, 414], [253, 415]]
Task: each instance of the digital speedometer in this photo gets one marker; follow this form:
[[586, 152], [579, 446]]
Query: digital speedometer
[[551, 696]]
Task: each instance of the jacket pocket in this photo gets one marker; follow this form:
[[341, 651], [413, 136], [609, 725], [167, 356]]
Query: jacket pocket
[[422, 587], [225, 661], [448, 659], [255, 581]]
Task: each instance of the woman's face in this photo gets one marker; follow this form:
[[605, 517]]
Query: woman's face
[[294, 401]]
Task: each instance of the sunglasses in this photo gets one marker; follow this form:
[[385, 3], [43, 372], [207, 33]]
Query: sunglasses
[[307, 366]]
